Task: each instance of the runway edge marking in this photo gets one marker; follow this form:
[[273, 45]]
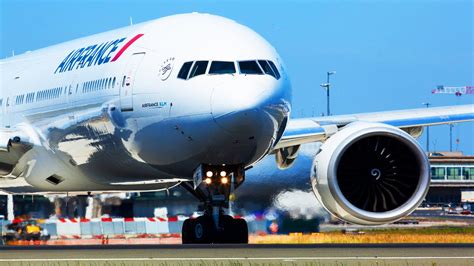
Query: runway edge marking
[[236, 258]]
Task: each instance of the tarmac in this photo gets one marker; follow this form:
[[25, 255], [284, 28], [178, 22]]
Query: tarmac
[[314, 254]]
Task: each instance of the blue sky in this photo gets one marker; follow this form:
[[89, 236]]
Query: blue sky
[[388, 54]]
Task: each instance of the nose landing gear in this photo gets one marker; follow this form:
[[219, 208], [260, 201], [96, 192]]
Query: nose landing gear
[[213, 186]]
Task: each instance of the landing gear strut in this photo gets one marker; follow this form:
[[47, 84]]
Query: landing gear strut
[[213, 186]]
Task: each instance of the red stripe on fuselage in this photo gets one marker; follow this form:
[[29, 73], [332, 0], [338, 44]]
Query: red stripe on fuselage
[[125, 47]]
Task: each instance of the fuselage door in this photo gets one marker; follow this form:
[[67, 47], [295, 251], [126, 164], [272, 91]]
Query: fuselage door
[[6, 110], [128, 80]]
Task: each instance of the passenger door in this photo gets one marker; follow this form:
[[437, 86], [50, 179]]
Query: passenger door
[[128, 80], [6, 111]]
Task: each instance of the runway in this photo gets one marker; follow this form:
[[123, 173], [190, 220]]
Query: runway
[[320, 254]]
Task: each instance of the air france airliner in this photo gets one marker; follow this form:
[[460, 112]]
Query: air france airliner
[[196, 100]]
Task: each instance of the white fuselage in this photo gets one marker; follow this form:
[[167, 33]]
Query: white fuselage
[[109, 112]]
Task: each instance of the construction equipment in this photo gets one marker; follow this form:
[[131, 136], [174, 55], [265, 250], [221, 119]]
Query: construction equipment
[[458, 91]]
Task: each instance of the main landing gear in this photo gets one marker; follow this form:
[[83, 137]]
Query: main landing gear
[[213, 186]]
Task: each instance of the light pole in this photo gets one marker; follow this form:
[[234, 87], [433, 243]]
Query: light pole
[[427, 131], [327, 86], [451, 137]]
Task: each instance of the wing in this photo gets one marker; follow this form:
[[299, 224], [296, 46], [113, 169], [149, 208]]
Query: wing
[[305, 130]]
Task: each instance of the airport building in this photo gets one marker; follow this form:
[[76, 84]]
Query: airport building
[[452, 176]]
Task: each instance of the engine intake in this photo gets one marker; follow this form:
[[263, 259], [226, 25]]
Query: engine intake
[[370, 173]]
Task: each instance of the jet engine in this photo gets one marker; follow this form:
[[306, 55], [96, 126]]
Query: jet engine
[[370, 174]]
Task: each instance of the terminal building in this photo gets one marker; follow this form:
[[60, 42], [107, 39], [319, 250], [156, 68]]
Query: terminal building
[[452, 173]]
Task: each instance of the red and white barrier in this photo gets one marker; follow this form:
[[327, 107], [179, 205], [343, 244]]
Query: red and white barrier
[[68, 228], [71, 228]]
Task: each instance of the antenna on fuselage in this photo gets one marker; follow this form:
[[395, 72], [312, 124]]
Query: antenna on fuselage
[[131, 21]]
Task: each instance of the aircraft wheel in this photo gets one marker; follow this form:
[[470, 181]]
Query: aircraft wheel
[[203, 230], [186, 232], [241, 231], [226, 234], [233, 230]]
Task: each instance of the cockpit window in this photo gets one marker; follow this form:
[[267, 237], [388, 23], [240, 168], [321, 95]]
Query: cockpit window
[[275, 69], [250, 67], [222, 67], [183, 72], [199, 68], [266, 68]]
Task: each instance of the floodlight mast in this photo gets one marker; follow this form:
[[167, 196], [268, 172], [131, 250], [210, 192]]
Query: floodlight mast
[[427, 104], [327, 86]]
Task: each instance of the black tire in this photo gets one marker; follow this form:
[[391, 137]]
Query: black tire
[[187, 232], [241, 233], [226, 235], [203, 228], [234, 230]]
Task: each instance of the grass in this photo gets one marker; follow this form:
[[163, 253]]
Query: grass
[[412, 235]]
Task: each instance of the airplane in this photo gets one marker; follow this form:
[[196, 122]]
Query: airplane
[[196, 100]]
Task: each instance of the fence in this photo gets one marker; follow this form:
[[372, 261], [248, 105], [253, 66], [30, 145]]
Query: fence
[[120, 227]]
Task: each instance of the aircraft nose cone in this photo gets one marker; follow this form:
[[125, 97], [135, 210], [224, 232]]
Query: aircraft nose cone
[[241, 109], [238, 114], [249, 114]]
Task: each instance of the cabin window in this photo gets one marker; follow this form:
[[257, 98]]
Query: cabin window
[[250, 67], [222, 67]]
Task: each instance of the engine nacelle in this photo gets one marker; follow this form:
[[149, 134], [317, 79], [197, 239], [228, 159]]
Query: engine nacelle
[[285, 157], [370, 174]]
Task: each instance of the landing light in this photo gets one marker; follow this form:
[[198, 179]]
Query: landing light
[[224, 180], [208, 181], [209, 173], [223, 173]]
